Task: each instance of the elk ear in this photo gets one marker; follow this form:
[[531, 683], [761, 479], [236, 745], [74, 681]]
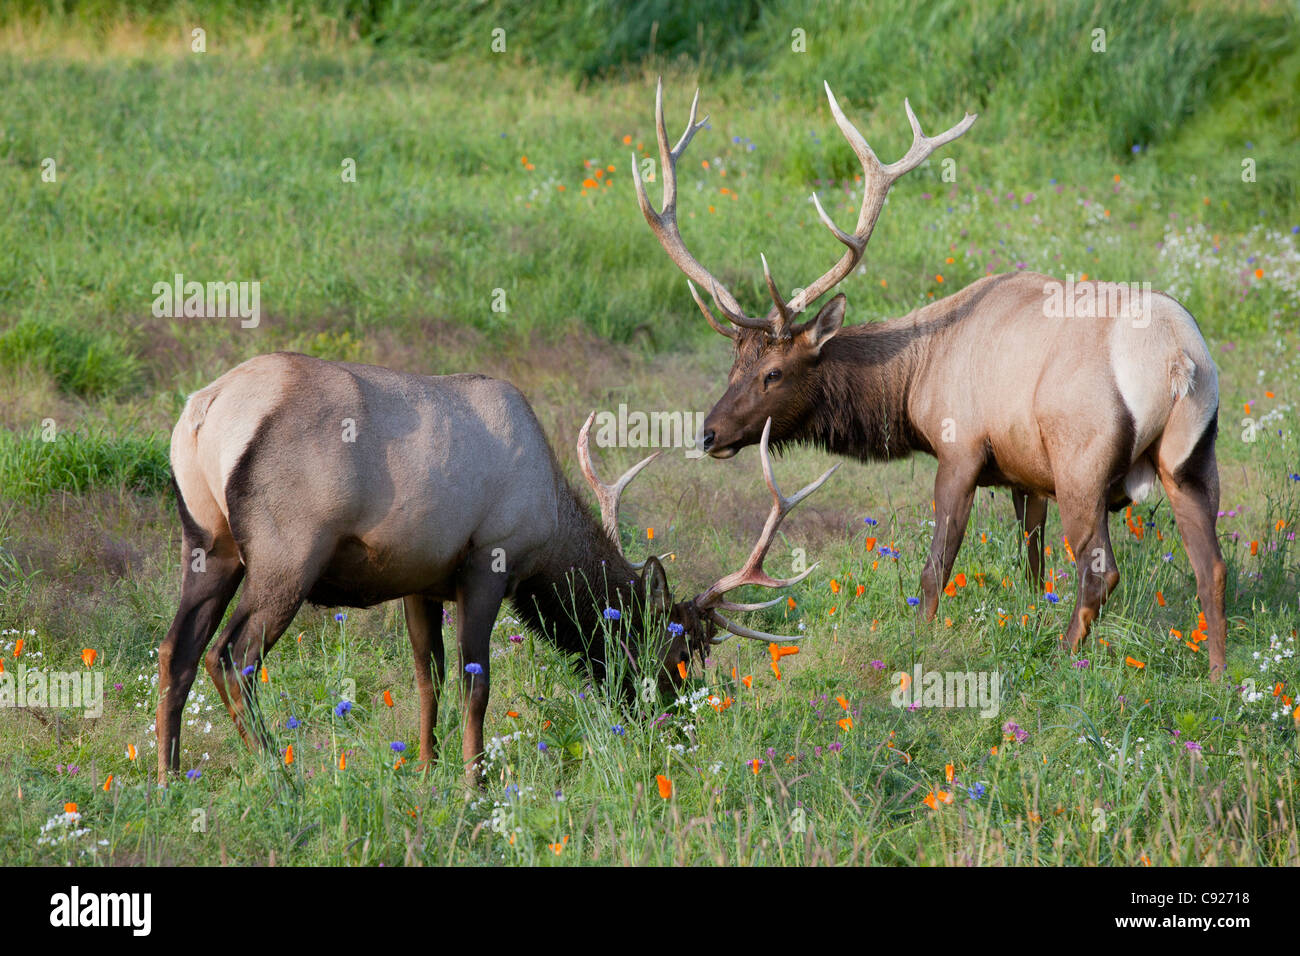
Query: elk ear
[[823, 328], [655, 581]]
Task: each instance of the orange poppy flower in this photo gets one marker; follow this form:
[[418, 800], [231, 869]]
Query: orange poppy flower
[[388, 699], [288, 756], [776, 669], [18, 647], [846, 723], [835, 586], [266, 678], [861, 590], [948, 772], [108, 784], [961, 580], [1134, 662], [748, 680], [681, 669], [950, 589], [871, 544], [665, 786], [88, 656], [1160, 598], [343, 761], [130, 752], [1254, 548], [842, 702], [69, 808]]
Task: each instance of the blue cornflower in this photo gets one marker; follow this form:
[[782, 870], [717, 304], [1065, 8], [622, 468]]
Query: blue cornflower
[[1054, 598], [249, 670], [618, 730], [541, 745], [474, 669], [976, 791], [612, 614], [397, 746], [871, 521], [675, 629], [293, 723], [913, 602], [340, 616], [343, 707], [194, 774]]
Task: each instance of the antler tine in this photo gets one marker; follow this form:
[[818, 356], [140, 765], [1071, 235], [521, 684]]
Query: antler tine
[[877, 178], [607, 495], [782, 309], [664, 223], [752, 572], [727, 330]]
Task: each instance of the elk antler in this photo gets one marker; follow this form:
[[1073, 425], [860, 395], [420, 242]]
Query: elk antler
[[607, 495], [877, 178], [664, 224], [708, 602]]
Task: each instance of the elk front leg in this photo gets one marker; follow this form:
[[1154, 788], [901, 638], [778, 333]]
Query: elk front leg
[[1031, 514], [954, 493], [478, 599], [424, 625]]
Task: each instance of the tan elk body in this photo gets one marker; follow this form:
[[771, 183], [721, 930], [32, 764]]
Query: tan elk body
[[351, 485], [1086, 393]]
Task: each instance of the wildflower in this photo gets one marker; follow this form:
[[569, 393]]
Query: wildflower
[[665, 786], [976, 791], [1134, 662], [340, 616], [541, 746], [397, 746], [473, 668], [293, 723], [388, 699], [193, 774], [835, 747], [1081, 665], [130, 752], [288, 756], [870, 521], [1192, 746], [88, 656], [247, 671], [618, 730], [913, 601], [516, 638], [343, 707], [612, 614], [675, 629], [878, 665]]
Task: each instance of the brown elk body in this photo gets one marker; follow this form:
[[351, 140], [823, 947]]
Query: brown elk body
[[351, 485], [1083, 392]]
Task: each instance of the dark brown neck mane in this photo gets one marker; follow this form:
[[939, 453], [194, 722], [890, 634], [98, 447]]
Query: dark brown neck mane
[[566, 600], [862, 382]]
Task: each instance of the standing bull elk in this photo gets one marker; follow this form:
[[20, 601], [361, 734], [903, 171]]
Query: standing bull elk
[[1002, 388], [352, 485]]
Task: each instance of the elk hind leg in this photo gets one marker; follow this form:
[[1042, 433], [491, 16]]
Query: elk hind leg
[[424, 625], [1031, 515]]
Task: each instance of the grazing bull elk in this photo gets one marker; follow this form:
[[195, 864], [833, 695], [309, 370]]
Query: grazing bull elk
[[1083, 393], [351, 485]]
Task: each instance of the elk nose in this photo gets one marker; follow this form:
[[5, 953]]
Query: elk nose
[[708, 440]]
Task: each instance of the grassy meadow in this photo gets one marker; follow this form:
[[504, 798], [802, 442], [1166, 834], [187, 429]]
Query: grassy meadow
[[492, 227]]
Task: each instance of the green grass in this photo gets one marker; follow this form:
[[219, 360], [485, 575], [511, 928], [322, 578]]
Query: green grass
[[226, 166]]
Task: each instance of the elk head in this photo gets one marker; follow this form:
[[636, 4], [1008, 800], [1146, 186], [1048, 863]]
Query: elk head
[[692, 625], [775, 368]]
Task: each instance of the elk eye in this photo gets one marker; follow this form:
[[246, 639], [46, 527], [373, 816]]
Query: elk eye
[[772, 376]]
